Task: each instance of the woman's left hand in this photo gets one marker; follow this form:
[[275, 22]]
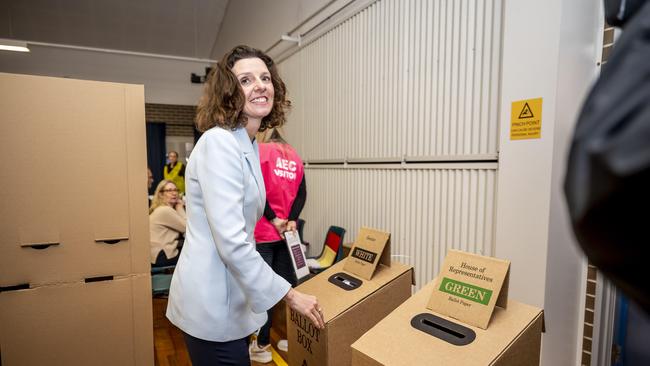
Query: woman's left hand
[[292, 226]]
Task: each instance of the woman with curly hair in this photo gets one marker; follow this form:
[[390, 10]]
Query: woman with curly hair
[[222, 287]]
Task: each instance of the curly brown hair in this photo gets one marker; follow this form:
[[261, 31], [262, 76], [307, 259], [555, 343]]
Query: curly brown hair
[[223, 98]]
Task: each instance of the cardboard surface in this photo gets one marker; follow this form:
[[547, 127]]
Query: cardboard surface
[[469, 287], [348, 314], [75, 205], [513, 338], [97, 323], [371, 248]]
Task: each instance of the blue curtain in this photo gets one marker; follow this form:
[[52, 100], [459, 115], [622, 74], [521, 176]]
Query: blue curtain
[[156, 149]]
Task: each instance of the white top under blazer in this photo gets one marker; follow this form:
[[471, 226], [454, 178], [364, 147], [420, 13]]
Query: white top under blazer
[[221, 287]]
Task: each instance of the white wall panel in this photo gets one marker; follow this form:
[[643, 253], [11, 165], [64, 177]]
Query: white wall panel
[[428, 210], [290, 71], [414, 78]]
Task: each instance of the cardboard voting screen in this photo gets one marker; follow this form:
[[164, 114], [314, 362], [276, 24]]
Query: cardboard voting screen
[[370, 248], [469, 286], [297, 255]]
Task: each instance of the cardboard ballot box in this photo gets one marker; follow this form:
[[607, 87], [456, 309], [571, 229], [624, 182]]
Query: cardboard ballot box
[[414, 334], [355, 294], [348, 313]]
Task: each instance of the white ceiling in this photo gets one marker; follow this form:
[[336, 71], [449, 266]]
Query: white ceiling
[[186, 28]]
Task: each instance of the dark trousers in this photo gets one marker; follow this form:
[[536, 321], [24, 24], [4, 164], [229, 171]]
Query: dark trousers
[[208, 353], [163, 261], [277, 256]]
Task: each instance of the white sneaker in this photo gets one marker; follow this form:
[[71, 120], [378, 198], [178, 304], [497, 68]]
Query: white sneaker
[[313, 264], [283, 345], [260, 354]]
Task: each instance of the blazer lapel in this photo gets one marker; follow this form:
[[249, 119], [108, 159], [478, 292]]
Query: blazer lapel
[[251, 153]]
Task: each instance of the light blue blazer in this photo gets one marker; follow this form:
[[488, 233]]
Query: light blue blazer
[[222, 287]]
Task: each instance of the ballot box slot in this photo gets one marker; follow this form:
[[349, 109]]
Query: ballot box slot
[[345, 281], [444, 329]]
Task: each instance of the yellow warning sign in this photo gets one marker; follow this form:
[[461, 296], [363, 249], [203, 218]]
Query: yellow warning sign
[[526, 119]]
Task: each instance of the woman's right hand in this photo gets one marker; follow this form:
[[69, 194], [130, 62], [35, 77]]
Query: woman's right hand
[[280, 225], [179, 204], [306, 305]]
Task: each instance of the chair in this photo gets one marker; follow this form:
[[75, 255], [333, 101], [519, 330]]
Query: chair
[[162, 269], [332, 251], [161, 278], [300, 226]]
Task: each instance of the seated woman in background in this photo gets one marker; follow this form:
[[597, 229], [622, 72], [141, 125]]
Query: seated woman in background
[[166, 224]]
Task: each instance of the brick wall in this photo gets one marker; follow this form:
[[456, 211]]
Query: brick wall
[[178, 118]]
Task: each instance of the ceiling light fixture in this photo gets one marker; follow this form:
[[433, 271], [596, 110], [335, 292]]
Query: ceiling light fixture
[[288, 38], [13, 45]]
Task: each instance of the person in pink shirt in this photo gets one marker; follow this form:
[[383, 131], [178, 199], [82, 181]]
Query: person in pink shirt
[[284, 179]]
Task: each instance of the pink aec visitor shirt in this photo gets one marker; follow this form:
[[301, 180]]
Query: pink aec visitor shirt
[[282, 170]]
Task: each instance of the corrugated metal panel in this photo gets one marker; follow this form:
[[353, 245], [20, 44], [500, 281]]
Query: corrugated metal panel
[[291, 73], [427, 210], [401, 78]]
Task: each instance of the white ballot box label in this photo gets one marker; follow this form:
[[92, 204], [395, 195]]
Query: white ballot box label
[[369, 249]]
